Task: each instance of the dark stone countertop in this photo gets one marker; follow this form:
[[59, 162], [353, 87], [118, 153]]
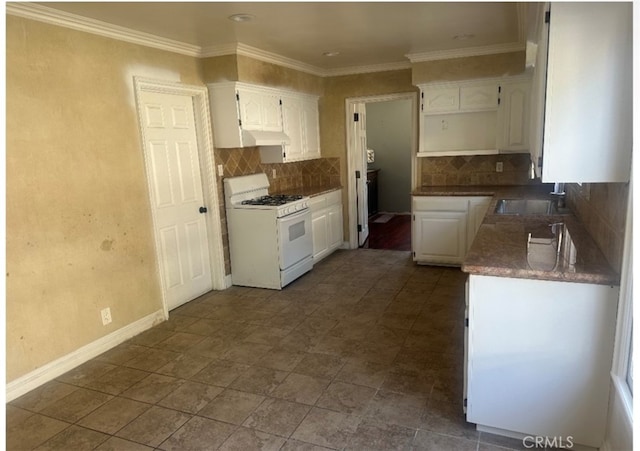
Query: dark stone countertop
[[555, 247]]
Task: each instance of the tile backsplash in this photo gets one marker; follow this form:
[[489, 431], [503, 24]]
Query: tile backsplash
[[602, 208], [289, 177], [475, 170]]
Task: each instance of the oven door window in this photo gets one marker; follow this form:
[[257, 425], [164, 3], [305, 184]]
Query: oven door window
[[295, 241]]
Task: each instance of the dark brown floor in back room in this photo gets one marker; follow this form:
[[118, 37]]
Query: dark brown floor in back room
[[362, 353], [389, 231]]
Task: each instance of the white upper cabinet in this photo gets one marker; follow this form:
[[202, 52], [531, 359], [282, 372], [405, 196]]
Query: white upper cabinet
[[475, 117], [480, 96], [513, 116], [259, 109], [300, 120], [440, 100], [583, 128], [285, 125]]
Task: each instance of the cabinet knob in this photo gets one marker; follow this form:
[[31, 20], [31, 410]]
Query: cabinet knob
[[203, 210]]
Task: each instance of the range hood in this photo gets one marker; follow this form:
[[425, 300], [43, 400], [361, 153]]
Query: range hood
[[251, 138]]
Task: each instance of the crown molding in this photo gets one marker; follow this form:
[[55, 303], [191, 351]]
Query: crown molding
[[466, 52], [64, 19], [261, 55], [354, 70]]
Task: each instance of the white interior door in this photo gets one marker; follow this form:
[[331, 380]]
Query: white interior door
[[360, 136], [171, 148]]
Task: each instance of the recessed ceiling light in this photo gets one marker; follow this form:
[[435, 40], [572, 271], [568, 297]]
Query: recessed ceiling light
[[464, 37], [242, 17], [331, 53]]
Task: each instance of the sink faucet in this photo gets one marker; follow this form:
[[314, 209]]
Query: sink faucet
[[558, 190]]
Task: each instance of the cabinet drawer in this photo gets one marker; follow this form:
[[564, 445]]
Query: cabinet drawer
[[439, 203], [318, 203]]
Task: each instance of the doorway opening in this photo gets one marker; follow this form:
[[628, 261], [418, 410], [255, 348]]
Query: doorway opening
[[381, 151]]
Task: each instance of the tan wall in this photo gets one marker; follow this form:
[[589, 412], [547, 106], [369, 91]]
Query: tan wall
[[456, 69], [249, 70], [79, 233]]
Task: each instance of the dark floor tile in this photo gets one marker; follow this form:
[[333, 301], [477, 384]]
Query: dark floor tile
[[151, 337], [326, 428], [267, 335], [276, 416], [448, 419], [152, 360], [152, 388], [281, 359], [179, 342], [114, 415], [249, 439], [231, 406], [295, 445], [375, 436], [190, 397], [320, 365], [15, 416], [74, 438], [76, 405], [360, 372], [346, 398], [154, 426], [213, 347], [117, 380], [432, 441], [220, 373], [493, 440], [259, 380], [122, 353], [33, 431], [198, 434], [246, 353], [185, 366], [301, 388], [86, 373], [396, 408], [43, 396], [119, 444]]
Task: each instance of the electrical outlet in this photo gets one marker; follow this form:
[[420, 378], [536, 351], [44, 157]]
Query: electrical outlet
[[105, 313], [499, 166], [273, 173], [221, 170]]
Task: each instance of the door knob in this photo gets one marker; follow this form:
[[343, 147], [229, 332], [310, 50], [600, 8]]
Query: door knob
[[203, 209]]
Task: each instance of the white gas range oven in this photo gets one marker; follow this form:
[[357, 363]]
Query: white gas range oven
[[270, 238]]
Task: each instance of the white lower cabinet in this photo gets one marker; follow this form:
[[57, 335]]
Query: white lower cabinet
[[538, 357], [443, 227], [326, 219]]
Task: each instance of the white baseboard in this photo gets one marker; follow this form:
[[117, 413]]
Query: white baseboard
[[228, 281], [51, 370]]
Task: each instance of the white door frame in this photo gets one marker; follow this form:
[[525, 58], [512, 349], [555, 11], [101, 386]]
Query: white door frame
[[200, 99], [350, 103]]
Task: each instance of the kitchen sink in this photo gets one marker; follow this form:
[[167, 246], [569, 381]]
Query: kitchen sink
[[526, 207]]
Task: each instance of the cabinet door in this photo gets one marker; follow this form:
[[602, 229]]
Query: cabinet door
[[440, 100], [439, 236], [588, 112], [477, 210], [250, 107], [334, 223], [311, 128], [320, 232], [479, 97], [292, 125], [271, 112], [513, 116]]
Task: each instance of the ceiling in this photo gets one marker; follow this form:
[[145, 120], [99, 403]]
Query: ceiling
[[365, 34]]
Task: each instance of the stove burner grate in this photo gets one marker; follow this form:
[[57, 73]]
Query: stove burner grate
[[274, 200]]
